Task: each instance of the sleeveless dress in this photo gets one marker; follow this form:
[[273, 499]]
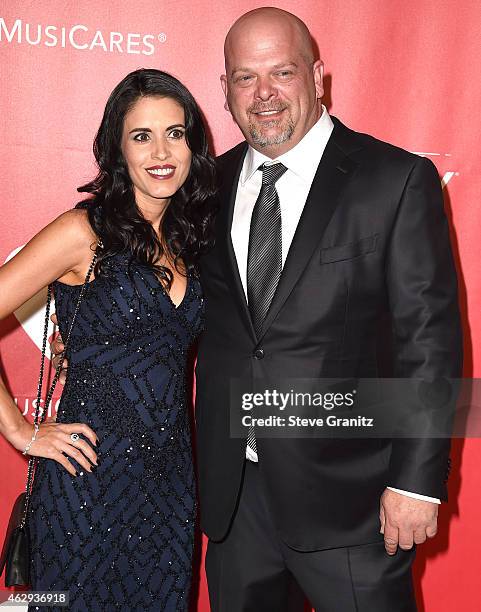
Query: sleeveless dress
[[121, 537]]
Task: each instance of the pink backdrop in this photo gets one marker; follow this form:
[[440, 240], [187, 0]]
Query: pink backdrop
[[404, 71]]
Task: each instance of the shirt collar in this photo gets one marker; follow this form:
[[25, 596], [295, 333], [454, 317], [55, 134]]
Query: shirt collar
[[303, 159]]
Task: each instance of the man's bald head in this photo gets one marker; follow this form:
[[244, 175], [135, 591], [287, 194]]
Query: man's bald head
[[272, 85], [265, 20]]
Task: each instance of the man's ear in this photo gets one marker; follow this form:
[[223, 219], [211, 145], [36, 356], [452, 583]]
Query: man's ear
[[223, 82], [318, 74]]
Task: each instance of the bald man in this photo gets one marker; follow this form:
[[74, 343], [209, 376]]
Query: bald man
[[323, 234]]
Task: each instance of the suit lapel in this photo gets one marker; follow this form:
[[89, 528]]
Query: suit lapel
[[333, 173], [230, 170]]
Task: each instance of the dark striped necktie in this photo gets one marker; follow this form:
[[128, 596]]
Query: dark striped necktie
[[264, 259]]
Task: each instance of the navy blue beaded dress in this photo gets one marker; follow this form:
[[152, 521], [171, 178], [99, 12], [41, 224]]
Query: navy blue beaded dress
[[121, 537]]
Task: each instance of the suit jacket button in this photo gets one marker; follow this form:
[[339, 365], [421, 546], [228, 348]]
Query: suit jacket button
[[259, 353]]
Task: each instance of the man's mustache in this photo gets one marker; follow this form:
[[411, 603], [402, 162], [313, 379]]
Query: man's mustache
[[258, 108]]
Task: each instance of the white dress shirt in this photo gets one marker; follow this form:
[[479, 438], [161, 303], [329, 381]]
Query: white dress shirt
[[293, 188]]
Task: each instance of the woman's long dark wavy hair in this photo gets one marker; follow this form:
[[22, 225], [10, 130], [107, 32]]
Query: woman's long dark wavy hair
[[112, 210]]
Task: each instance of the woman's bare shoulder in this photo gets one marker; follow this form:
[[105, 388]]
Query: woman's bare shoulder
[[75, 226], [60, 251]]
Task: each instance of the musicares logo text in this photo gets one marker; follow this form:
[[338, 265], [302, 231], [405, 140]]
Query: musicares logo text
[[78, 37], [27, 405]]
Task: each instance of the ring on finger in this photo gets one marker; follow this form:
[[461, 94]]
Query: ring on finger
[[74, 437]]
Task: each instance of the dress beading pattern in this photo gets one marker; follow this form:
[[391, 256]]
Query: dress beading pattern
[[122, 536]]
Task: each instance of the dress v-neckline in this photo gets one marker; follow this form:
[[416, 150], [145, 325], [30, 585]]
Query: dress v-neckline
[[165, 292]]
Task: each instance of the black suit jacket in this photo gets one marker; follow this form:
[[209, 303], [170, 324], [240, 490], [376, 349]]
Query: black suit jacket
[[372, 242]]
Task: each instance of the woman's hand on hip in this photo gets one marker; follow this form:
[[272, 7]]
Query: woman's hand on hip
[[54, 441]]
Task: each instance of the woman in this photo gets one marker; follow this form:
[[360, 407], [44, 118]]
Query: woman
[[112, 511]]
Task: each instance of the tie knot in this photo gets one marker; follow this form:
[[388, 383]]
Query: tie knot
[[271, 173]]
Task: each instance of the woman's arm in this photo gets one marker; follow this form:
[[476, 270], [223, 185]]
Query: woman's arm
[[62, 250], [12, 424]]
